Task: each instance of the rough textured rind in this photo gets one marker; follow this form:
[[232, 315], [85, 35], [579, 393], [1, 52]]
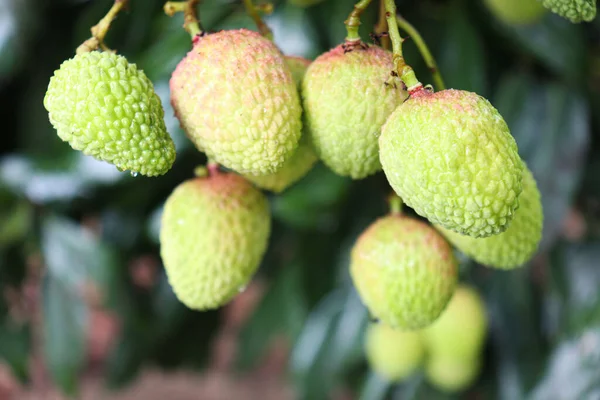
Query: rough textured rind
[[213, 236], [236, 99], [404, 271], [450, 156], [574, 10], [515, 246], [303, 159], [516, 12], [459, 333], [107, 108], [346, 101], [392, 353], [452, 375]]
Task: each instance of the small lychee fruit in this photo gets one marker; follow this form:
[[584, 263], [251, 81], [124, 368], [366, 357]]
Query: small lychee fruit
[[515, 246], [303, 159], [459, 333], [235, 97], [574, 10], [107, 108], [516, 12], [450, 156], [452, 375], [213, 236], [347, 96], [392, 353], [404, 270]]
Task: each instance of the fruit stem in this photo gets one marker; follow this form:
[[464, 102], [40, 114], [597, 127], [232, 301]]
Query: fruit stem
[[191, 23], [395, 204], [423, 49], [253, 12], [100, 30], [213, 168], [353, 21], [381, 27], [403, 70]]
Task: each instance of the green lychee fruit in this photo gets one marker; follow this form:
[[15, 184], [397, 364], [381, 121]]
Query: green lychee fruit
[[236, 99], [515, 246], [404, 271], [452, 375], [392, 353], [574, 10], [213, 236], [347, 96], [303, 159], [450, 156], [516, 12], [107, 108], [459, 333]]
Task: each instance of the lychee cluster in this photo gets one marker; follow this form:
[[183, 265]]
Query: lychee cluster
[[450, 350], [268, 118]]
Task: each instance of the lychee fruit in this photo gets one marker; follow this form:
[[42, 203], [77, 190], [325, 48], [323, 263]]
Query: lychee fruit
[[404, 270], [516, 12], [450, 156], [347, 96], [515, 246], [452, 375], [107, 108], [392, 353], [303, 159], [459, 333], [574, 10], [213, 236], [235, 97]]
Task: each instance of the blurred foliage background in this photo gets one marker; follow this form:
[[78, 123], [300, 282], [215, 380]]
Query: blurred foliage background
[[84, 303]]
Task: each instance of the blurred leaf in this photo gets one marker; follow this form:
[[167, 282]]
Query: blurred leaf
[[312, 202], [294, 32], [574, 369], [462, 56], [65, 324], [16, 23], [375, 388], [558, 43], [15, 347], [281, 311], [16, 216], [550, 123]]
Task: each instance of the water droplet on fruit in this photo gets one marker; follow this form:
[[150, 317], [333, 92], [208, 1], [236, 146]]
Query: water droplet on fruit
[[242, 288], [134, 174]]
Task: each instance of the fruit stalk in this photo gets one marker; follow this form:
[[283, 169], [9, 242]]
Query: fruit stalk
[[395, 203], [100, 30], [191, 23], [404, 71], [423, 49], [253, 12], [353, 21], [381, 27]]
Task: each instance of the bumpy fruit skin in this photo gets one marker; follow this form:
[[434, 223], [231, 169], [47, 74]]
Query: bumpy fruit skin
[[515, 246], [346, 101], [450, 156], [107, 108], [452, 375], [404, 271], [213, 236], [392, 353], [516, 12], [574, 10], [236, 99], [459, 333], [303, 159]]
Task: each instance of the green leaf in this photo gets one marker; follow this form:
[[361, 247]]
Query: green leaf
[[16, 216], [15, 347], [550, 124], [574, 369], [462, 57], [281, 311], [556, 42], [64, 337]]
